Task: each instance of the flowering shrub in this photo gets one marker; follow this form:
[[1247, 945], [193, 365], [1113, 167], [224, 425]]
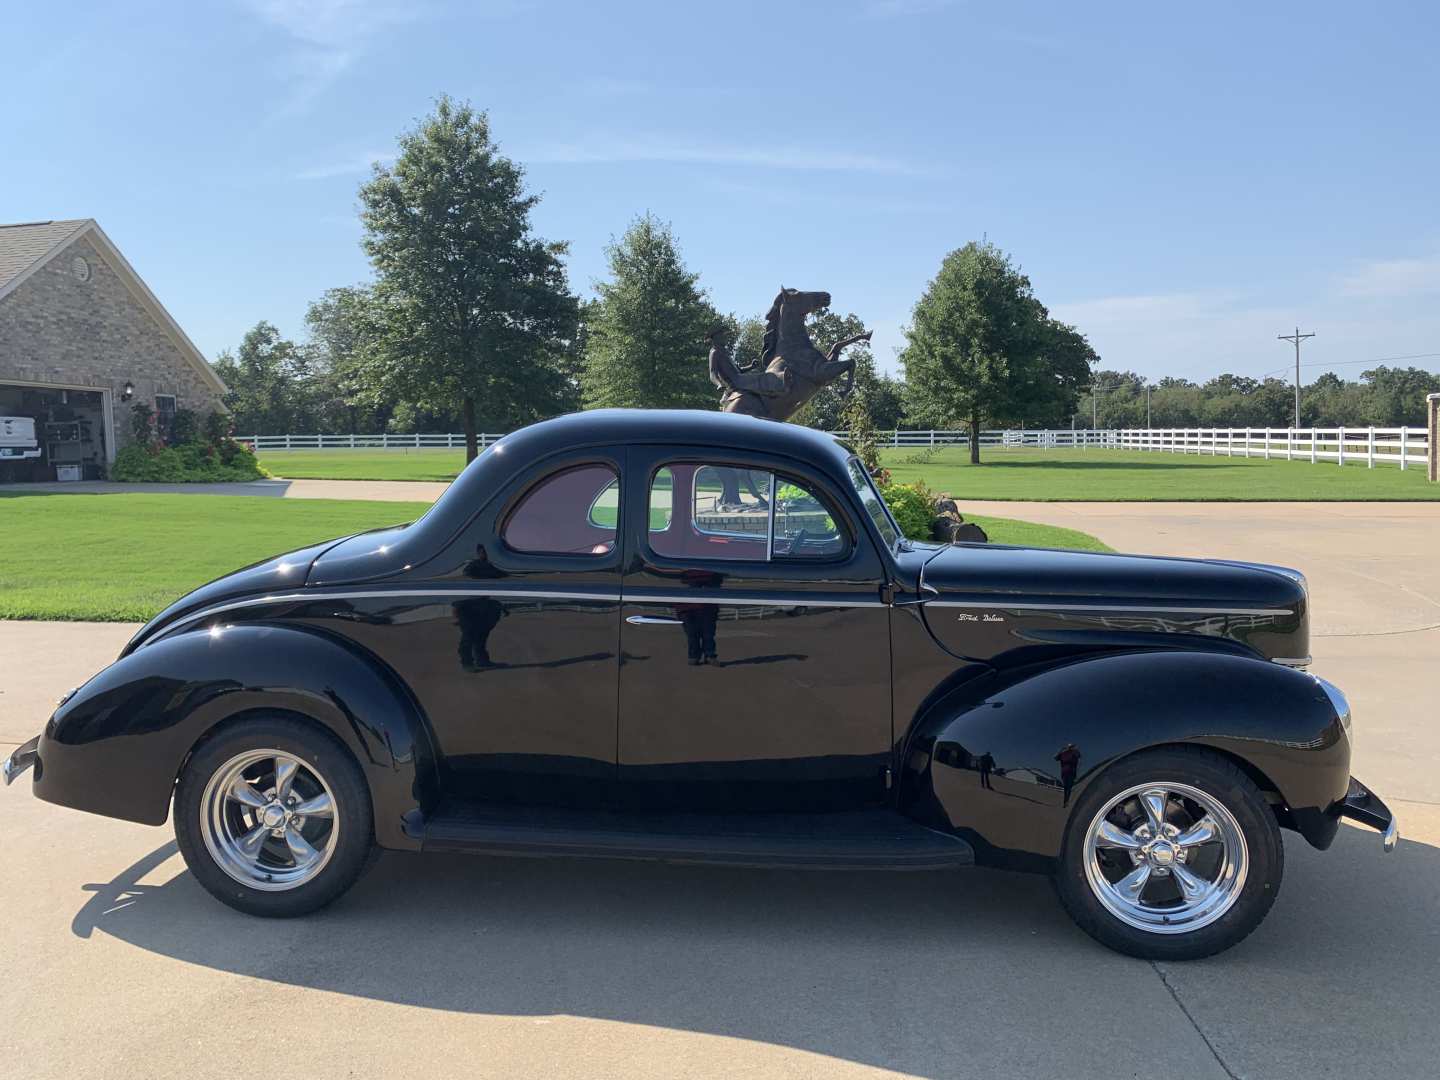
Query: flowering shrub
[[913, 506], [203, 452]]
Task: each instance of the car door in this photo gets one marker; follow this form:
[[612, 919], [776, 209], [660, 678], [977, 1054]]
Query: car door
[[517, 666], [755, 650]]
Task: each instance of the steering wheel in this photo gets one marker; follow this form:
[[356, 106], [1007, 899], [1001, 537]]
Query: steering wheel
[[797, 540]]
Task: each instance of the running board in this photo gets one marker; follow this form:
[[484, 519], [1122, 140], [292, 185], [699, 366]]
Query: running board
[[858, 840]]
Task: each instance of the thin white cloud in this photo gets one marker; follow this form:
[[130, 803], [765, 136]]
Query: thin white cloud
[[326, 37], [611, 151], [1146, 310], [349, 166], [1194, 334], [1393, 278]]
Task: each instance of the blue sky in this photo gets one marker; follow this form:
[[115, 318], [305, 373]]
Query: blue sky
[[1181, 184]]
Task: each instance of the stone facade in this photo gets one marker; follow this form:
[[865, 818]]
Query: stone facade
[[57, 328]]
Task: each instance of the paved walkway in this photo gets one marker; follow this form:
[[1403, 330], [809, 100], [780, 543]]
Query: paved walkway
[[513, 967]]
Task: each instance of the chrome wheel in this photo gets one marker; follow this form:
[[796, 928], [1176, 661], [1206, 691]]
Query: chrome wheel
[[268, 820], [1165, 858]]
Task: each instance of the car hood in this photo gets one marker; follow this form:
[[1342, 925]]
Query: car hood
[[283, 573], [986, 599]]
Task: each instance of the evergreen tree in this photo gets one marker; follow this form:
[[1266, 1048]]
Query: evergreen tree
[[646, 342]]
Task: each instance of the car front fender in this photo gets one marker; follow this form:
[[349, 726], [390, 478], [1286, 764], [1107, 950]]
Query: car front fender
[[1000, 761], [116, 747]]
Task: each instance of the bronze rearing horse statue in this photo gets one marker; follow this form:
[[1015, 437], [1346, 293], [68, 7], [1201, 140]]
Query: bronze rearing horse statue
[[791, 370]]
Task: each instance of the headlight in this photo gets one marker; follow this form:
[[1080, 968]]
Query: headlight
[[1338, 701]]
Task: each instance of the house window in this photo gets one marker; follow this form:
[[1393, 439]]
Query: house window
[[164, 414]]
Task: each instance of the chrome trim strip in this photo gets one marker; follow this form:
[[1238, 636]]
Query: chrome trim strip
[[653, 620], [519, 594], [372, 594], [1010, 605], [1300, 662], [746, 601], [770, 527]]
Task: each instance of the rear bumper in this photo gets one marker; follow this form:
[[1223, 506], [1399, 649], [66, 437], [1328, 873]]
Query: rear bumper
[[21, 759], [1364, 806]]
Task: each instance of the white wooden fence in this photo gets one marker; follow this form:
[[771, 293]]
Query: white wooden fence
[[455, 440], [262, 443], [1401, 446]]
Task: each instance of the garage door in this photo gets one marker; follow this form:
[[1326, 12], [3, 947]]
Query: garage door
[[51, 433]]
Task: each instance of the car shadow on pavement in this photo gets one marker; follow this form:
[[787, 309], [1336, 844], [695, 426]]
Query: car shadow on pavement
[[909, 971]]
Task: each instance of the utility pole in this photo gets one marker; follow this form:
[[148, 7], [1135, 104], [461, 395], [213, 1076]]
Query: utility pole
[[1147, 406], [1296, 337]]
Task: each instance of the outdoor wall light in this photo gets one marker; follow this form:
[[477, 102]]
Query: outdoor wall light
[[128, 392]]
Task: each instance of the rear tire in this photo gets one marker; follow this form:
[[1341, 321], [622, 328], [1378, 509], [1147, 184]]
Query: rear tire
[[273, 817], [1171, 855]]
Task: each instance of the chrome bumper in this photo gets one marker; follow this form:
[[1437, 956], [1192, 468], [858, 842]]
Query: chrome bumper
[[20, 759], [1363, 805]]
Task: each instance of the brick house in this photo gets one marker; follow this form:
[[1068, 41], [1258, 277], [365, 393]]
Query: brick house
[[82, 339]]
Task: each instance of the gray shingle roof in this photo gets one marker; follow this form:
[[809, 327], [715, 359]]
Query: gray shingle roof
[[22, 245]]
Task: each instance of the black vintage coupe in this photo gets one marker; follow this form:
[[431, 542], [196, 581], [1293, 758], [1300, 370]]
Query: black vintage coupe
[[702, 638]]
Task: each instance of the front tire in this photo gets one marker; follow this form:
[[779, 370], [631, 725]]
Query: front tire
[[1171, 855], [273, 817]]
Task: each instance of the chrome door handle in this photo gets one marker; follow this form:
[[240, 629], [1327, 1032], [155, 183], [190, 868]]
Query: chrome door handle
[[653, 620]]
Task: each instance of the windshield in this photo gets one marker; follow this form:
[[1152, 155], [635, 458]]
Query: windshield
[[873, 503]]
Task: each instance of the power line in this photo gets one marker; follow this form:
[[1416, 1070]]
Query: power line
[[1346, 363]]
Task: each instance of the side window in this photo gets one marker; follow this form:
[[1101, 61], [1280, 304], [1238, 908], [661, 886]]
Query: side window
[[574, 512], [804, 526], [733, 513]]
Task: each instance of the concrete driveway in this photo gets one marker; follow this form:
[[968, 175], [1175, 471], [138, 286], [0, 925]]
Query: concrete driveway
[[116, 963]]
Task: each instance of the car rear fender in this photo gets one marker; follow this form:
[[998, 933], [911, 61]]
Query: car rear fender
[[117, 746]]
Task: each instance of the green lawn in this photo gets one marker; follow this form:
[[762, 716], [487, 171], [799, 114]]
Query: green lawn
[[122, 558], [363, 464], [1029, 534], [1141, 476], [1026, 475]]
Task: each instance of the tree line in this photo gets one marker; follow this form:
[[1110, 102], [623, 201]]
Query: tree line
[[1383, 397], [469, 323]]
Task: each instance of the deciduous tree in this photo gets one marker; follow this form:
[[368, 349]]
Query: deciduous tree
[[982, 347], [478, 311], [268, 380]]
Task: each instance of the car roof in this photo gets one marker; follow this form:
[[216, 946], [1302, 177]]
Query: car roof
[[483, 478], [678, 426]]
